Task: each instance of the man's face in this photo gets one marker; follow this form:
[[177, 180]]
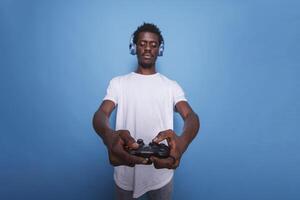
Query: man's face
[[147, 49]]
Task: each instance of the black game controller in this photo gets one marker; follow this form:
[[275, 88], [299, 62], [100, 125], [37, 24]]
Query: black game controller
[[153, 149]]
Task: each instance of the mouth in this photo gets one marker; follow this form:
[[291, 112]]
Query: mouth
[[147, 56]]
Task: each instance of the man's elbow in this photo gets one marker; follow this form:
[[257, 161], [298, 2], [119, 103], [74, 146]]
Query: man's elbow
[[196, 120], [95, 120]]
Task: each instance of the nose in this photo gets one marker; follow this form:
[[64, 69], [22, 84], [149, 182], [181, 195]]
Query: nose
[[147, 47]]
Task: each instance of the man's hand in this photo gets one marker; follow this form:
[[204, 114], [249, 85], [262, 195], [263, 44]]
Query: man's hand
[[178, 144], [177, 147], [116, 144]]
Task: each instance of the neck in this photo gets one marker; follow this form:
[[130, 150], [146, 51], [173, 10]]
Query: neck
[[145, 71]]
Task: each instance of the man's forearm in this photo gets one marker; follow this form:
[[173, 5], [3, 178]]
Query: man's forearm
[[190, 129], [101, 125]]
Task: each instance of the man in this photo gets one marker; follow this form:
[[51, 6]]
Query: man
[[145, 102]]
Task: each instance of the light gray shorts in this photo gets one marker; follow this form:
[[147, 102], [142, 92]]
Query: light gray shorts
[[164, 193]]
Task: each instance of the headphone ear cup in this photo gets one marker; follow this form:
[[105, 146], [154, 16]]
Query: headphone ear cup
[[132, 49], [161, 49], [132, 46]]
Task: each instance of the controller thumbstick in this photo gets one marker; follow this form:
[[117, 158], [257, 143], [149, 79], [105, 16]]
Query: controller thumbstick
[[140, 141], [151, 144]]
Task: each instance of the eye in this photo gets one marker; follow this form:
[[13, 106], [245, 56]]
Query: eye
[[153, 44], [142, 43]]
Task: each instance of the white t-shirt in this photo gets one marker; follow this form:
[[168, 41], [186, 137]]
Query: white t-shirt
[[145, 106]]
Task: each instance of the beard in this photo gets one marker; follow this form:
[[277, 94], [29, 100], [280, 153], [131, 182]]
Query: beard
[[146, 65]]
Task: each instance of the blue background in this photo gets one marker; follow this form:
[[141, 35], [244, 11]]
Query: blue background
[[238, 62]]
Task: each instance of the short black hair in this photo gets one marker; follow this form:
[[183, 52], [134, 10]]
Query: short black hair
[[147, 27]]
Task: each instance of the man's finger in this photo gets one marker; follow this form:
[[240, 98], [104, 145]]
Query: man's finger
[[121, 158], [162, 163], [162, 136], [128, 140], [137, 160], [128, 159], [115, 161]]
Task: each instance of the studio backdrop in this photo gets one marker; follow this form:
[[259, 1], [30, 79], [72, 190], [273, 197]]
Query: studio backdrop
[[237, 61]]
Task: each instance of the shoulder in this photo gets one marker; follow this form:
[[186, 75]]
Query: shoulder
[[172, 83], [120, 79]]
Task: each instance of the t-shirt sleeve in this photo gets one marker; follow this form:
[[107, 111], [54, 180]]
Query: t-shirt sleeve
[[112, 91], [178, 93]]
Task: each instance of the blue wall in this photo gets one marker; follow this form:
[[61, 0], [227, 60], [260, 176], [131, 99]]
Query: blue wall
[[238, 62]]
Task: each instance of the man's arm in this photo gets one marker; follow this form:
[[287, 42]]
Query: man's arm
[[178, 144], [115, 140], [191, 123], [101, 120]]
